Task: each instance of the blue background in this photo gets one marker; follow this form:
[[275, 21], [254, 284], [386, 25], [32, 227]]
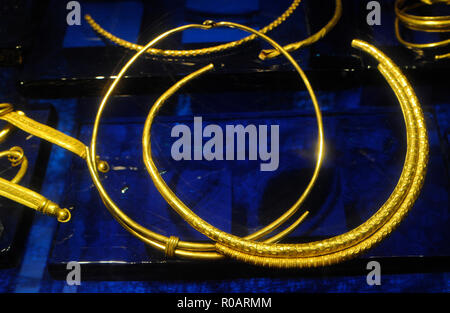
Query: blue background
[[365, 150]]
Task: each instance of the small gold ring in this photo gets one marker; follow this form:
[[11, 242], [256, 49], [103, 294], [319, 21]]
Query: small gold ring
[[17, 157]]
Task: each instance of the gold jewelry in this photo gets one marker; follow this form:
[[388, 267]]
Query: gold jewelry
[[20, 120], [25, 196], [265, 54], [172, 245], [338, 248], [430, 24], [272, 53], [17, 157], [7, 130]]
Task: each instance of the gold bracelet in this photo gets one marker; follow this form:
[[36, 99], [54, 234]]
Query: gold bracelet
[[341, 247], [13, 191], [172, 245], [265, 54], [428, 24]]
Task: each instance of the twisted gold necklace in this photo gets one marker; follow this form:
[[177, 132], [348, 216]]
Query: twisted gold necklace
[[13, 191], [341, 247]]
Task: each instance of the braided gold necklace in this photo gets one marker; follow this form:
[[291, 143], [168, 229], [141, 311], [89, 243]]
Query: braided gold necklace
[[265, 54]]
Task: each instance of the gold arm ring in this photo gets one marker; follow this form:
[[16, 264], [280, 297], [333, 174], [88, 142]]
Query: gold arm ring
[[430, 24]]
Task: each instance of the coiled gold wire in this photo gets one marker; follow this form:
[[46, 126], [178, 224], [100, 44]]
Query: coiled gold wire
[[429, 24]]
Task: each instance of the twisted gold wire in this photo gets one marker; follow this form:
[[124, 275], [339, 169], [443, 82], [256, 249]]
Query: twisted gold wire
[[16, 157], [265, 54]]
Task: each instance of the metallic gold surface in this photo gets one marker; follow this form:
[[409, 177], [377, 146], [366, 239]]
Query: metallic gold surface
[[7, 130], [265, 54], [20, 120], [430, 24], [183, 248], [272, 53], [268, 252], [196, 52], [25, 196], [341, 247], [17, 157]]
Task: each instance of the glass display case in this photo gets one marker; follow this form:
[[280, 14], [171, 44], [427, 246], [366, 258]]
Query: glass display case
[[58, 74]]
